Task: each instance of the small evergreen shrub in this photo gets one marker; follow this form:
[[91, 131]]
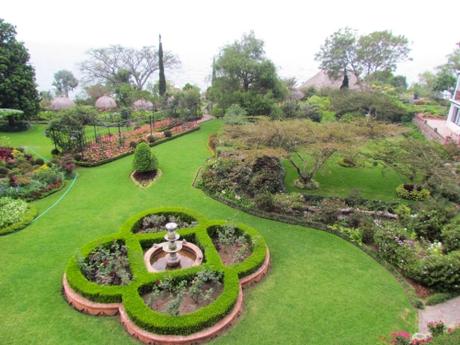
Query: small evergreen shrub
[[144, 160], [411, 192]]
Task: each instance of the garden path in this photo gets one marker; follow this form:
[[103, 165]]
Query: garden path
[[447, 312]]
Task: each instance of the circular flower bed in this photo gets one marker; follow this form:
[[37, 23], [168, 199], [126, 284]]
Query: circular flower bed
[[15, 214], [174, 306]]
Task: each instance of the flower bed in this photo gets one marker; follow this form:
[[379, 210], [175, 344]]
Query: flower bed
[[110, 147], [15, 214], [23, 176], [140, 315]]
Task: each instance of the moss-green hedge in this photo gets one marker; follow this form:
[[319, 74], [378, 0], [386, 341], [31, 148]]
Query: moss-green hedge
[[28, 217], [137, 244]]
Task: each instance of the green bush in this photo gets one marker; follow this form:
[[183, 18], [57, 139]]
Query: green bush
[[131, 294], [379, 105], [450, 235], [448, 339], [395, 246], [15, 214], [410, 192], [429, 222], [144, 160], [439, 297], [439, 272]]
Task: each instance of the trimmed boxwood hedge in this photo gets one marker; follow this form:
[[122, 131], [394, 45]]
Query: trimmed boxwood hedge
[[29, 216], [131, 295]]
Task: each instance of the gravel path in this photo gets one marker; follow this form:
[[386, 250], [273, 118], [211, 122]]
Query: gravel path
[[448, 312]]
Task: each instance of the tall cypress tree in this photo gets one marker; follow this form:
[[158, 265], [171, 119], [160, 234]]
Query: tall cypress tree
[[17, 77], [213, 76], [162, 79]]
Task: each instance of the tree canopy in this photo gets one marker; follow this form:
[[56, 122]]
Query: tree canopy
[[243, 75], [308, 145], [17, 77], [117, 64], [64, 82], [344, 52]]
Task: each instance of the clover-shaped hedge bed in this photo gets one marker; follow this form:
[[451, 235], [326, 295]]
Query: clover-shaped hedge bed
[[130, 295]]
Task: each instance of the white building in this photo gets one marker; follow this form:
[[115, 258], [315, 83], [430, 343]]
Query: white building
[[453, 119]]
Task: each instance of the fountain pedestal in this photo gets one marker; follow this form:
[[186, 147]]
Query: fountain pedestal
[[172, 253]]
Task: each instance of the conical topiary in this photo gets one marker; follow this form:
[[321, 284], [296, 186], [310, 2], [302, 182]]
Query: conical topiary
[[144, 160]]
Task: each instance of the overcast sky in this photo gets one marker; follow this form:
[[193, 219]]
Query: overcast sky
[[58, 33]]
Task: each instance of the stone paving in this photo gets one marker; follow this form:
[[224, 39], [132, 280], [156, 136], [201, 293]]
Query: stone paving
[[447, 312]]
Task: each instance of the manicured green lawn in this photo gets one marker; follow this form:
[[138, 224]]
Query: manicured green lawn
[[33, 139], [372, 182], [321, 290]]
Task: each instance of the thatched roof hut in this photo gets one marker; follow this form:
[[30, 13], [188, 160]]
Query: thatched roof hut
[[61, 103], [105, 103], [322, 81], [142, 104]]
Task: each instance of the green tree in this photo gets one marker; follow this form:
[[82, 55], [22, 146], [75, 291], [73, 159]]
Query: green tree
[[305, 144], [104, 65], [161, 69], [17, 77], [246, 77], [144, 160], [362, 56], [64, 82]]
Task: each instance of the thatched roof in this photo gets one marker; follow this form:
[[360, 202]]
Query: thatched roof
[[322, 81], [105, 103], [61, 103], [142, 104]]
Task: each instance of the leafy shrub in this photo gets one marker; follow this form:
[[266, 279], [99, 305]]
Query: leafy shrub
[[400, 338], [286, 203], [264, 201], [439, 297], [441, 273], [329, 210], [411, 192], [353, 235], [436, 328], [379, 105], [244, 175], [450, 235], [448, 339], [395, 246], [11, 211], [108, 265], [144, 160], [157, 222], [428, 223]]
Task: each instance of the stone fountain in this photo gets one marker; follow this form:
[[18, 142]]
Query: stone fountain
[[173, 253]]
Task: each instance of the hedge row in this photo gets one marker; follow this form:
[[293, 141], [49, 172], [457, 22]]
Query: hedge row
[[130, 295], [157, 142], [29, 216]]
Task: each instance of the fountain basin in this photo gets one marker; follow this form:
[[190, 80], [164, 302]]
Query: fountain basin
[[156, 258]]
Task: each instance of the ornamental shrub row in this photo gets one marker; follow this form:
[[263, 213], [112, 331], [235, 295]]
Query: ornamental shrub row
[[130, 294]]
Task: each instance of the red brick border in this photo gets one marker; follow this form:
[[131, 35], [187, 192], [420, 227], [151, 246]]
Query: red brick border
[[93, 308]]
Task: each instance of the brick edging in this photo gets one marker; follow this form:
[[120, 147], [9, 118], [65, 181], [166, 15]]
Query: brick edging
[[109, 309]]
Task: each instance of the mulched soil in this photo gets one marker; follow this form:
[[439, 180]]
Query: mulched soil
[[188, 305], [144, 178]]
